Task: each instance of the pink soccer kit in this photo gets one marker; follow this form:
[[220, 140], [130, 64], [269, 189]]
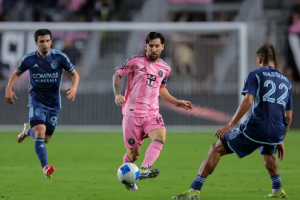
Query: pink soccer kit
[[141, 109]]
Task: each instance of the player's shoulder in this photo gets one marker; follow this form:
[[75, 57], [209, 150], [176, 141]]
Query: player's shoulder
[[29, 56], [134, 58], [137, 57], [58, 53], [166, 65]]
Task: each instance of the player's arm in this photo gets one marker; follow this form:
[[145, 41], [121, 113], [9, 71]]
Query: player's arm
[[119, 99], [241, 111], [288, 117], [164, 93], [71, 91], [9, 94]]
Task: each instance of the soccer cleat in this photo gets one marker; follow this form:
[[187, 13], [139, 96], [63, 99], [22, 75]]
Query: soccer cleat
[[281, 195], [146, 172], [189, 194], [48, 171], [23, 135], [131, 187]]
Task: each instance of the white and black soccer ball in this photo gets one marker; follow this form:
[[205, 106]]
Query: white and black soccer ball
[[128, 173]]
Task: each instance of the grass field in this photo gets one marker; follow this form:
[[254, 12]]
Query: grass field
[[86, 168]]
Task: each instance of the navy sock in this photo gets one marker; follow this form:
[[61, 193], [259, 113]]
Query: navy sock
[[276, 181], [198, 182], [31, 133], [41, 151]]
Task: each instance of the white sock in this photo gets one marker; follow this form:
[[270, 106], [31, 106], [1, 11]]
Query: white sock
[[276, 191]]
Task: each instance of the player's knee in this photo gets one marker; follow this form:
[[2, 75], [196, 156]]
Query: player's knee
[[213, 148], [39, 133]]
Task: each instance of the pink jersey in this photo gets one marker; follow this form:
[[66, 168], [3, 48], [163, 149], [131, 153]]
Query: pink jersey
[[144, 80]]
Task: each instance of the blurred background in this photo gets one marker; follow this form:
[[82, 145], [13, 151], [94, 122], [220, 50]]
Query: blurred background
[[205, 64]]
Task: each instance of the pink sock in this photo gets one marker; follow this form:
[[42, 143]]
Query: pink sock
[[126, 159], [152, 153]]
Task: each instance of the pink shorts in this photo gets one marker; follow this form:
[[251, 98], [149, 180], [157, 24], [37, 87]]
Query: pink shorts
[[136, 129]]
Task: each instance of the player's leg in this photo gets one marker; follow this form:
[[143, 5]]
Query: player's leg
[[158, 138], [132, 155], [271, 164], [155, 130], [51, 122], [132, 139], [234, 141]]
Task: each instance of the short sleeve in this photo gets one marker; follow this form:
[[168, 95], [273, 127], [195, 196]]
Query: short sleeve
[[251, 84], [289, 105], [67, 65], [165, 80], [22, 66], [126, 68]]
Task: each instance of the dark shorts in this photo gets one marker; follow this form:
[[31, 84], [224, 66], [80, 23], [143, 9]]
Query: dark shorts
[[40, 114], [236, 142]]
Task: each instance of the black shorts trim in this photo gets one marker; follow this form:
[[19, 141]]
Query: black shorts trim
[[36, 122]]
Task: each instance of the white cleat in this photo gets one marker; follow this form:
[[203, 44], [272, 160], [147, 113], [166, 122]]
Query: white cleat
[[23, 135]]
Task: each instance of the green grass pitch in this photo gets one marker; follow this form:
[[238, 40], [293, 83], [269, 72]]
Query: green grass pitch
[[86, 168]]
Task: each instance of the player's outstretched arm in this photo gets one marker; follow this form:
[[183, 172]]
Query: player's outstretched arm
[[119, 99], [9, 94], [71, 91], [241, 111], [164, 93]]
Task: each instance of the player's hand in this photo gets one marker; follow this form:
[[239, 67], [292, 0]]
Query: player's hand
[[9, 96], [281, 151], [71, 92], [184, 104], [119, 100], [222, 131]]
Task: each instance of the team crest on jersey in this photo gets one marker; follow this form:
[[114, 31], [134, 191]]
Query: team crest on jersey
[[37, 112], [160, 73], [131, 141], [54, 64]]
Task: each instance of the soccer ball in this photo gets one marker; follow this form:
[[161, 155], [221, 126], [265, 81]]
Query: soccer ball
[[128, 173]]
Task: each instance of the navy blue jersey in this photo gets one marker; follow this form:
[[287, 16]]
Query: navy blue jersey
[[45, 76], [273, 96]]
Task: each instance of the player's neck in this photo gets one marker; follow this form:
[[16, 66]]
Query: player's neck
[[270, 64], [44, 55]]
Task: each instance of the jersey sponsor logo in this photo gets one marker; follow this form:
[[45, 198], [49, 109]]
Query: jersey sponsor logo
[[36, 65], [160, 73], [131, 141], [54, 64], [45, 77], [37, 112], [151, 79]]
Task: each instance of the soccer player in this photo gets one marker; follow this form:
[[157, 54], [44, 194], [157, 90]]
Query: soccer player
[[147, 76], [45, 70], [269, 93]]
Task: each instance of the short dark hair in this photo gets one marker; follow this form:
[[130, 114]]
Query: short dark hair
[[153, 36], [41, 32], [267, 53]]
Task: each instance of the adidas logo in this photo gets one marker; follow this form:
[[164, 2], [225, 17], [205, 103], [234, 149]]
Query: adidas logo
[[41, 145], [36, 65], [144, 69]]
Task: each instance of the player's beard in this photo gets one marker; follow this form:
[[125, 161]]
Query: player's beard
[[153, 57]]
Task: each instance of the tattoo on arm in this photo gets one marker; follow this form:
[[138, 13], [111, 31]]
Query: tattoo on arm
[[117, 83]]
